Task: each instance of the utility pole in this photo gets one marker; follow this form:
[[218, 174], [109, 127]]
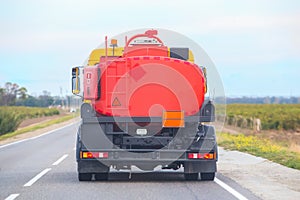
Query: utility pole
[[62, 99]]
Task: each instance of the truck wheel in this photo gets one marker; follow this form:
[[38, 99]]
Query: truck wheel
[[101, 176], [191, 176], [207, 176], [84, 176]]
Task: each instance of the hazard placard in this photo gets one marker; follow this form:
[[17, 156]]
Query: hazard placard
[[116, 102]]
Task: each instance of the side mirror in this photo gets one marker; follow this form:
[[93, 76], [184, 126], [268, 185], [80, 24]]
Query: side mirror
[[75, 80]]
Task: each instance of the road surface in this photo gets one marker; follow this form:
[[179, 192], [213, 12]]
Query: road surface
[[44, 167]]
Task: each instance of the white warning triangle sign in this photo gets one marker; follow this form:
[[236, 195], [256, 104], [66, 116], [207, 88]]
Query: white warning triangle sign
[[116, 102]]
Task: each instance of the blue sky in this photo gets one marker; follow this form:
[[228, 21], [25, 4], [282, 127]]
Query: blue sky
[[254, 44]]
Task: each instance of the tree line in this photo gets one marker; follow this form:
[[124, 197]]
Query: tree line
[[14, 95], [260, 100]]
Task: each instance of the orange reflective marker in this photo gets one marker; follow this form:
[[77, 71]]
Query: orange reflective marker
[[173, 119]]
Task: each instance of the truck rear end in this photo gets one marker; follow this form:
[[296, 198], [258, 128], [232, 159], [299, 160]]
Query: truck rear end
[[144, 106]]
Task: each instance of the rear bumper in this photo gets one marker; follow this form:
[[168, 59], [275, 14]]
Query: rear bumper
[[149, 160], [96, 166], [143, 155]]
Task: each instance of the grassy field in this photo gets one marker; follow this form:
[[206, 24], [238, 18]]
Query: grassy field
[[260, 147], [272, 116], [12, 116], [279, 140]]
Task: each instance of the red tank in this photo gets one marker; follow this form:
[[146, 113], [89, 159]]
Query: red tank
[[144, 82]]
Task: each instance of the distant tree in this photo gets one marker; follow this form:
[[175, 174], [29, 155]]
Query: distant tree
[[1, 96], [267, 100], [276, 100], [45, 99], [9, 94], [22, 93], [28, 101]]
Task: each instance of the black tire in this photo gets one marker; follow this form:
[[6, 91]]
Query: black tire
[[84, 176], [78, 146], [191, 176], [101, 176], [207, 176]]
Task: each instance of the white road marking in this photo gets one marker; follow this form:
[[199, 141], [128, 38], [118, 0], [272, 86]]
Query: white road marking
[[12, 197], [230, 189], [35, 137], [37, 177], [60, 159]]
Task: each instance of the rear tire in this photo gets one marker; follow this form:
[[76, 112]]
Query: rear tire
[[84, 176], [207, 176], [191, 177], [101, 176]]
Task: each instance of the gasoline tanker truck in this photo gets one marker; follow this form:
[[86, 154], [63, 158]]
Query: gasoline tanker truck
[[144, 105]]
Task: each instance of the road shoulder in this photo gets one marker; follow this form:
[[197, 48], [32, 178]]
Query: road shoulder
[[37, 132], [266, 179]]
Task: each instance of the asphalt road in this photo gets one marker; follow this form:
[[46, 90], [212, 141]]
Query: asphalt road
[[44, 167]]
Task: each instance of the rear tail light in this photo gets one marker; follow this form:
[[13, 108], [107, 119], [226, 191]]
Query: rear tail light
[[206, 156], [94, 154], [194, 156], [103, 155]]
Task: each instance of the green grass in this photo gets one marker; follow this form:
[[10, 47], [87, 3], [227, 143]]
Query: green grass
[[38, 126], [260, 147]]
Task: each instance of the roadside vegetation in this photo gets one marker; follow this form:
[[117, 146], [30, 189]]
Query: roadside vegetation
[[38, 126], [277, 139], [260, 147], [12, 116], [17, 106], [272, 116]]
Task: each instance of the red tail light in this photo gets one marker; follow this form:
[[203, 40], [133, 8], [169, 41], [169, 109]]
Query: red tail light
[[194, 156], [207, 156], [94, 154], [103, 155]]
